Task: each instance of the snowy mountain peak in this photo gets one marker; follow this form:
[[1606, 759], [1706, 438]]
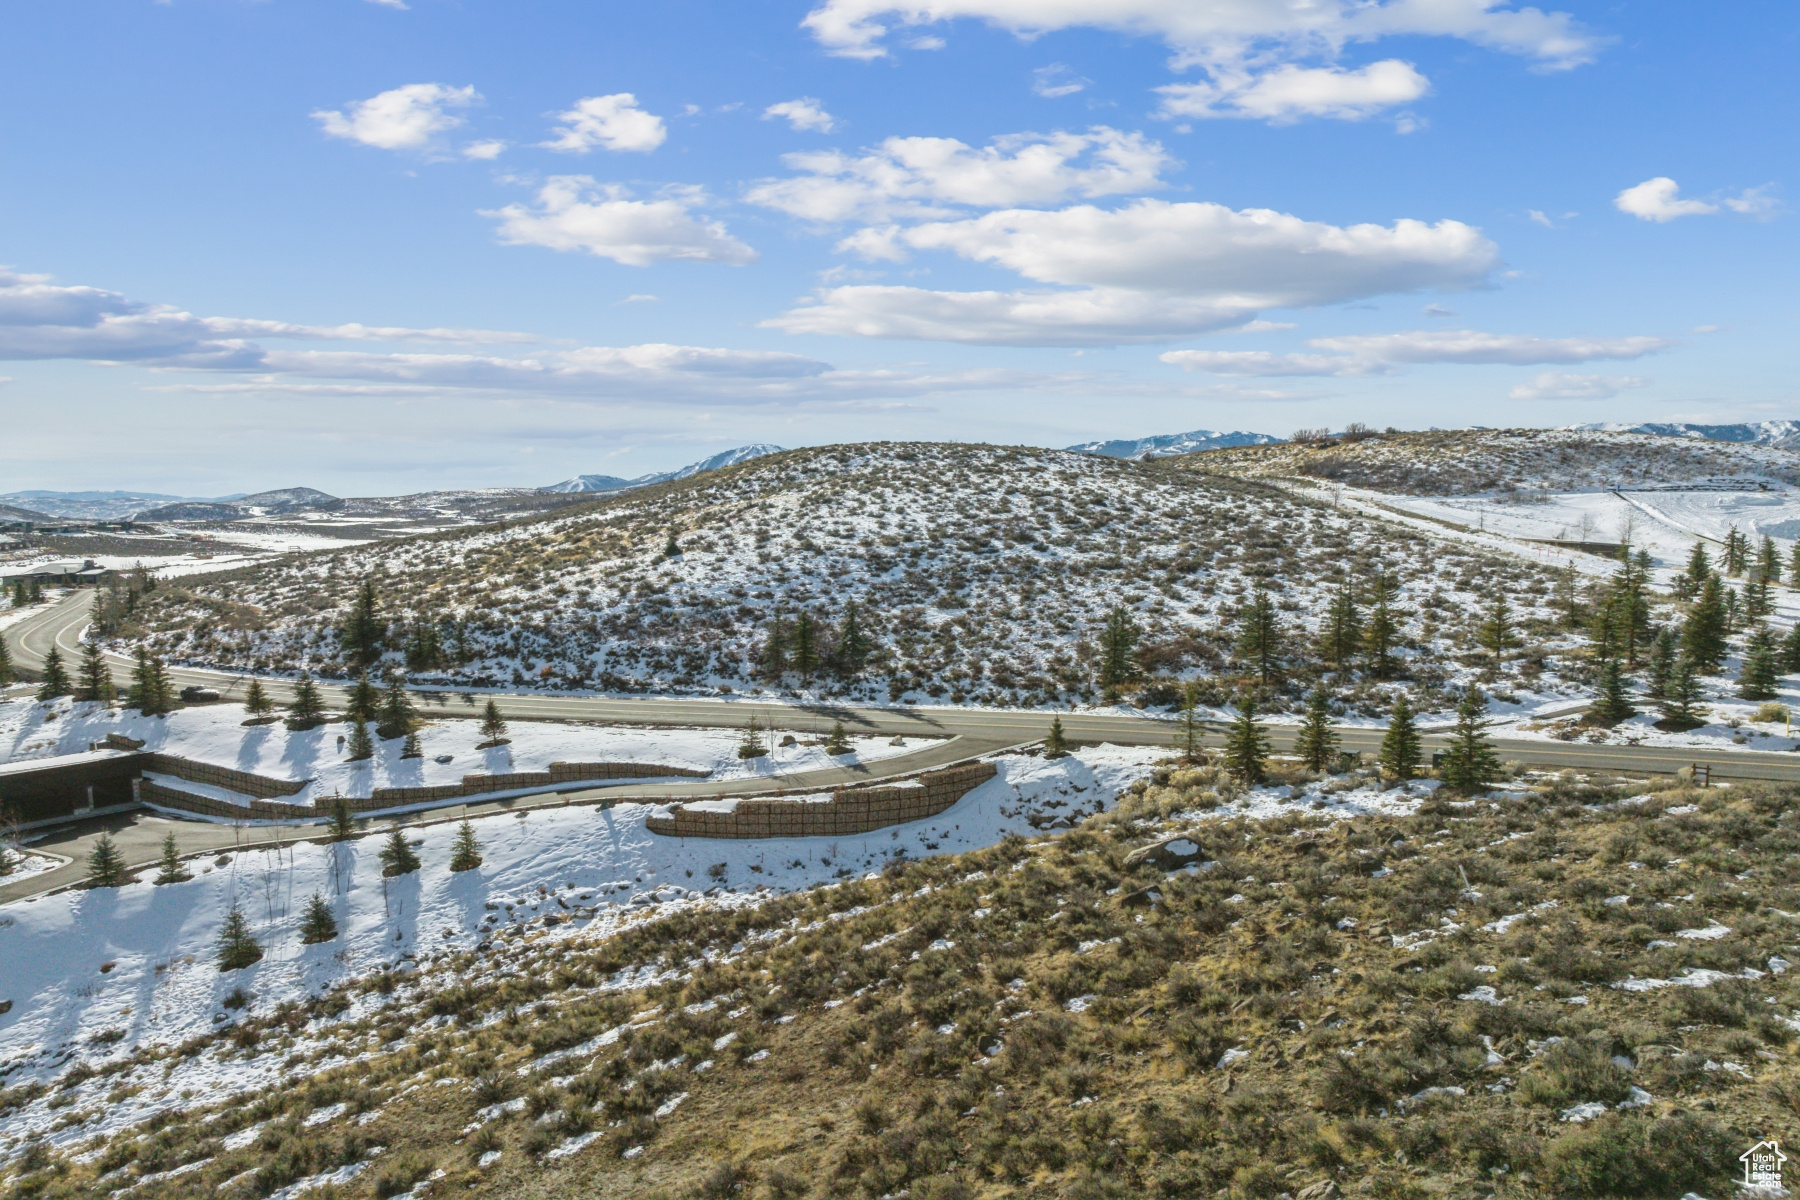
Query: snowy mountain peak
[[1165, 444], [1784, 435], [613, 483]]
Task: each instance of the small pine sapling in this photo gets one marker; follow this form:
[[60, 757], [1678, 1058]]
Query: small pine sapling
[[839, 742], [257, 702], [465, 855], [307, 710], [7, 671], [1400, 746], [364, 700], [1056, 745], [1246, 746], [1470, 763], [318, 924], [493, 726], [751, 744], [238, 947], [56, 677], [1614, 704], [106, 866], [343, 824], [1316, 742], [169, 867], [411, 748], [397, 857], [362, 746], [96, 676], [1758, 678]]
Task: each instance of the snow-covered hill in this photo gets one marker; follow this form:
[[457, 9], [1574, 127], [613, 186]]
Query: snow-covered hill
[[1470, 462], [1163, 445], [614, 483], [1782, 434], [980, 574]]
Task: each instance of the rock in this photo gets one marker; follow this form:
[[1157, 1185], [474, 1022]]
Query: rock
[[1170, 854], [1325, 1189]]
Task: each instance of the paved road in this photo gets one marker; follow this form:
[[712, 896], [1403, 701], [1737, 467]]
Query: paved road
[[967, 732]]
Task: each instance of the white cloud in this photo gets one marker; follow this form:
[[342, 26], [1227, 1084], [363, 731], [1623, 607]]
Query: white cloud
[[614, 122], [1656, 200], [1056, 80], [1754, 202], [1265, 363], [1290, 92], [802, 114], [484, 151], [575, 213], [641, 298], [920, 176], [1151, 271], [1469, 346], [403, 118], [399, 4], [1558, 385]]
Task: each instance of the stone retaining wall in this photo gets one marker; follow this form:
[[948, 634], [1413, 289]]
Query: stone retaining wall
[[242, 782], [849, 810]]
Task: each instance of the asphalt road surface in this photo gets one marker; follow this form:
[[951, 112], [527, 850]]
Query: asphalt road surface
[[967, 732]]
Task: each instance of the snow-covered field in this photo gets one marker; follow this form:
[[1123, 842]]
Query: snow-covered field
[[216, 734], [95, 975]]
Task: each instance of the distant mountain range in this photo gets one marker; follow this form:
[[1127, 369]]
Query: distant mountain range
[[1783, 435], [279, 502], [1165, 444], [613, 483], [95, 506]]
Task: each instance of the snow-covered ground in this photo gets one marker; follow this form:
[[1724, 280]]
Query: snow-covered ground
[[98, 974], [164, 566], [216, 734]]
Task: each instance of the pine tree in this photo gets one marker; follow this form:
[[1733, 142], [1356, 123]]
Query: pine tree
[[1768, 560], [1259, 638], [493, 725], [362, 746], [256, 700], [56, 677], [465, 855], [1118, 650], [96, 676], [397, 858], [1757, 678], [6, 664], [852, 643], [411, 748], [773, 659], [751, 744], [1703, 637], [1496, 634], [1790, 650], [364, 701], [1400, 746], [1379, 638], [424, 648], [1342, 633], [1316, 742], [343, 823], [318, 924], [1470, 763], [363, 633], [672, 547], [398, 717], [1188, 735], [161, 686], [1246, 746], [19, 597], [1793, 571], [308, 709], [1734, 551], [1734, 611], [839, 742], [106, 866], [1759, 601], [806, 646], [169, 868], [1614, 704], [1681, 701], [1662, 661], [1056, 746], [1568, 598], [238, 947]]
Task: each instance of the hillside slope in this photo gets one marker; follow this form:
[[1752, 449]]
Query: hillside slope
[[980, 574], [1460, 462]]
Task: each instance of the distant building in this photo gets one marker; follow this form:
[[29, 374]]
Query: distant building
[[67, 573]]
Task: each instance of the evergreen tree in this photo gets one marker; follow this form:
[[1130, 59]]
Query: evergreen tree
[[1056, 746], [1681, 701], [19, 598], [493, 725], [363, 633], [96, 676], [1757, 678], [362, 746], [1768, 560], [839, 742], [1734, 611], [1790, 650], [424, 648], [1470, 763], [397, 858], [1699, 566], [169, 868], [1496, 634], [852, 643], [1118, 650], [343, 823], [106, 866], [6, 664], [1343, 628], [238, 947], [37, 592], [751, 744], [1703, 637], [1379, 638], [672, 547], [56, 677], [1793, 572], [1614, 704], [364, 701], [256, 700], [1259, 638], [318, 924], [411, 748], [1316, 742], [774, 660], [1188, 737], [1662, 661], [806, 645], [1246, 746], [1734, 551], [1758, 600], [1400, 746], [465, 855], [398, 717], [1568, 598], [307, 709]]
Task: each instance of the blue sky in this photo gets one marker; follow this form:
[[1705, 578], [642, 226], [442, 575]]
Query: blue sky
[[377, 247]]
